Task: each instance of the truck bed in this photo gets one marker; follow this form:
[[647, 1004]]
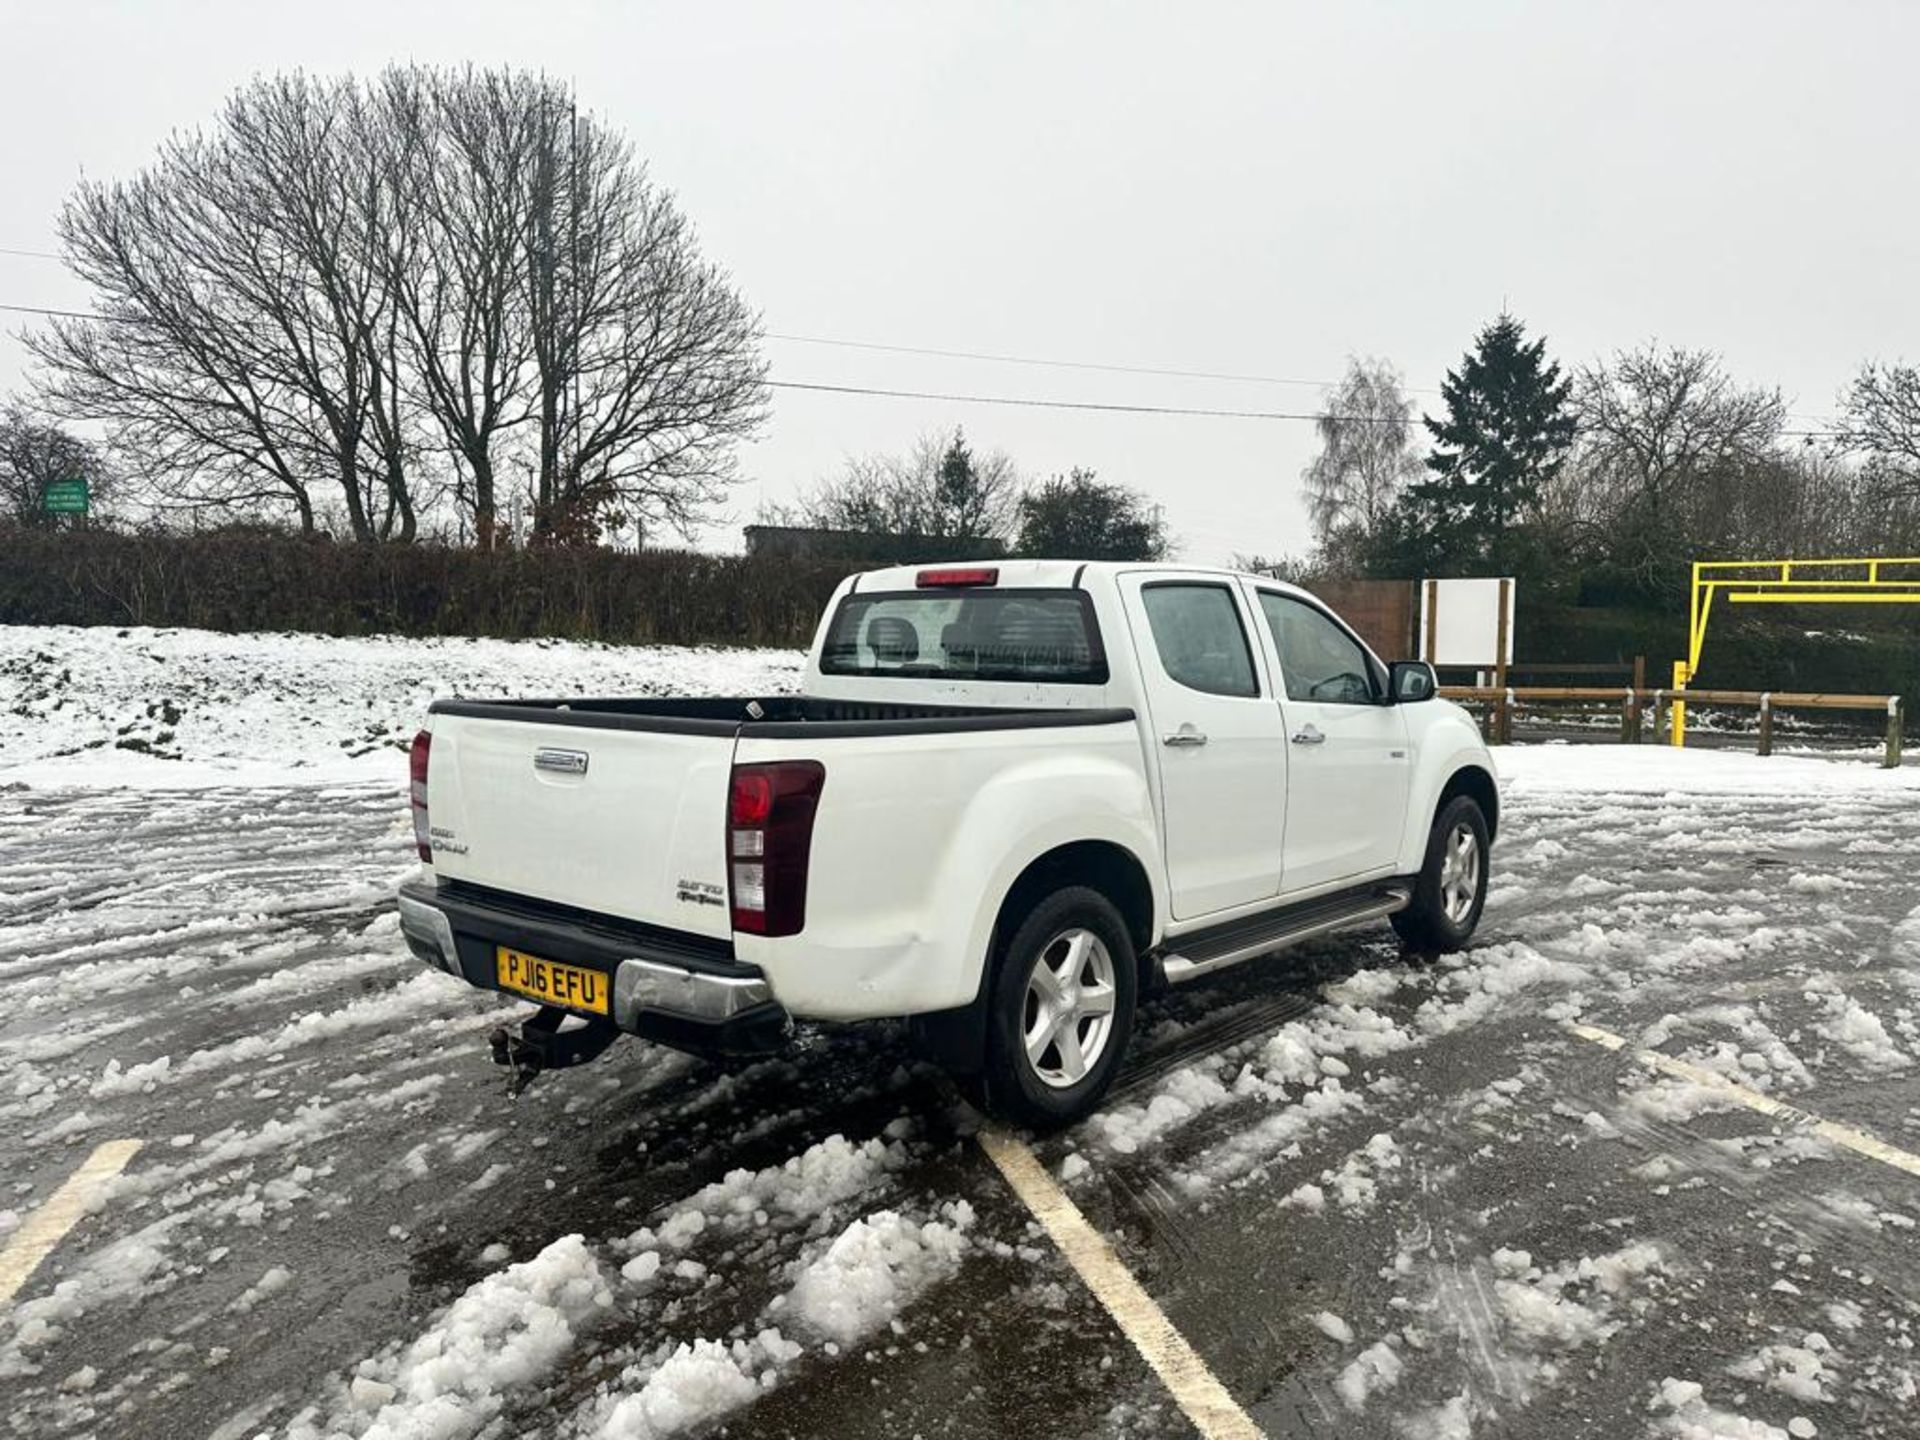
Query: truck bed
[[774, 716]]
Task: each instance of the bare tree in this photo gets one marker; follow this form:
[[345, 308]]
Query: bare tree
[[1366, 456], [459, 151], [1880, 421], [646, 359], [33, 456], [343, 295], [1655, 421], [245, 346], [941, 489]]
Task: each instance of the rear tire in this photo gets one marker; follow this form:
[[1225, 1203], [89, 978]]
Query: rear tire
[[1060, 1007], [1451, 888]]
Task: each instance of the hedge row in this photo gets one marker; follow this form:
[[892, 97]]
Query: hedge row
[[267, 581]]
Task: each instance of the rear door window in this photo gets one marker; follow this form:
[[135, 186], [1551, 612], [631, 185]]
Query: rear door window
[[1042, 636], [1199, 638]]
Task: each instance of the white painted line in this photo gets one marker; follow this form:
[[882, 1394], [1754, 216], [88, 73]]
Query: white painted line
[[1197, 1390], [1846, 1136], [47, 1226]]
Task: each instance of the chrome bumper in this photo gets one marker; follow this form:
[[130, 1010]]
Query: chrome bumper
[[641, 987]]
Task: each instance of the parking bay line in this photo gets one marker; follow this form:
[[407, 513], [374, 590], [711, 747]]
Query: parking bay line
[[1196, 1389], [47, 1226], [1846, 1136]]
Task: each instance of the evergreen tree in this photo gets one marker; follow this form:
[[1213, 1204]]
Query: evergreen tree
[[1506, 434], [1079, 517]]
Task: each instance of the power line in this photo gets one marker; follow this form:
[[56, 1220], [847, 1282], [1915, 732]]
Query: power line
[[1047, 363], [43, 310], [1036, 404], [1017, 401], [30, 254]]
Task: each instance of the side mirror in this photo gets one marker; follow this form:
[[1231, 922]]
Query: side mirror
[[1411, 680]]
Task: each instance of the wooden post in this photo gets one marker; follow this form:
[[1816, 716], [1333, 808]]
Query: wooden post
[[1894, 719], [1433, 620], [1500, 640], [1766, 723], [1639, 672]]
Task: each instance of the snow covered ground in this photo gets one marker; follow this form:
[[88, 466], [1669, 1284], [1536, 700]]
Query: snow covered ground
[[1381, 1197], [173, 708]]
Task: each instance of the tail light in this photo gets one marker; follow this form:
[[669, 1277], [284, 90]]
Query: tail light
[[417, 765], [770, 810]]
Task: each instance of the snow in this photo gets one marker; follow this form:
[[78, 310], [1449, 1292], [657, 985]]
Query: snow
[[699, 1382], [1690, 1417], [1333, 1327], [508, 1331], [1527, 770], [1804, 1371], [875, 1268], [261, 709], [1376, 1368]]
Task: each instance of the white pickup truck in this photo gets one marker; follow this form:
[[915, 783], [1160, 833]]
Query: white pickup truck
[[1008, 799]]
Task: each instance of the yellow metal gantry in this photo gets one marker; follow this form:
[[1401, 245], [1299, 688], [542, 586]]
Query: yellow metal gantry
[[1887, 580]]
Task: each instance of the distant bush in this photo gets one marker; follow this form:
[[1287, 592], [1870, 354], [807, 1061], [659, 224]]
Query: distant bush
[[262, 580]]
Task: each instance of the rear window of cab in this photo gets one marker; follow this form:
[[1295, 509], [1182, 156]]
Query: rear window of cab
[[1040, 636]]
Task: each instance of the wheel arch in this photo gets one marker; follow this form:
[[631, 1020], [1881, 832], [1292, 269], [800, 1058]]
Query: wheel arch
[[1102, 865], [1476, 782], [955, 1038]]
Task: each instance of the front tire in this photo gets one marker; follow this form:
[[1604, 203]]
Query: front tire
[[1059, 1010], [1451, 889]]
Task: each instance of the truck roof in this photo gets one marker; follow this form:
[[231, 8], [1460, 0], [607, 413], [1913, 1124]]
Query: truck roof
[[1047, 574]]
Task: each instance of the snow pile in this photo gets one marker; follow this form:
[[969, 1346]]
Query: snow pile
[[1480, 981], [99, 707], [699, 1382], [1689, 1417], [1546, 1314], [1804, 1371], [859, 1283], [1182, 1096], [798, 1190], [1452, 1420], [1376, 1368], [508, 1331], [1354, 1184], [1854, 1028], [876, 1268]]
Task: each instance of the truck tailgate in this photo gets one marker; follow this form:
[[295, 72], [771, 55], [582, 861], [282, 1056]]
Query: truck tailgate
[[624, 822]]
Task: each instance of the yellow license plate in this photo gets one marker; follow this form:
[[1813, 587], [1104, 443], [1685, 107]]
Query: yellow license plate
[[550, 982]]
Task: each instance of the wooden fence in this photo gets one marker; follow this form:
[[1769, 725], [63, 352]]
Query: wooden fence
[[1636, 704]]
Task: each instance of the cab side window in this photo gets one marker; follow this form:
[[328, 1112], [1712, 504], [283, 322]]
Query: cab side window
[[1201, 643], [1318, 660]]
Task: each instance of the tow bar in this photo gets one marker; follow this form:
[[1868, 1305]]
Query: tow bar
[[542, 1045]]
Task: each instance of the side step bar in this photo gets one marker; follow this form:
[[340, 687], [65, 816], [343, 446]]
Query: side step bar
[[1208, 951]]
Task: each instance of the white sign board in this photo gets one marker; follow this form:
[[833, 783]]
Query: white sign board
[[1462, 617]]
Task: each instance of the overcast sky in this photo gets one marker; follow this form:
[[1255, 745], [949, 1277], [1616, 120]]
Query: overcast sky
[[1259, 189]]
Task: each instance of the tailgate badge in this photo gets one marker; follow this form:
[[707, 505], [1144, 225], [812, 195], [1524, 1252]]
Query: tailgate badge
[[563, 762]]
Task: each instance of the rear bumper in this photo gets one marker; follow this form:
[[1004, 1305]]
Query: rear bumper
[[678, 993]]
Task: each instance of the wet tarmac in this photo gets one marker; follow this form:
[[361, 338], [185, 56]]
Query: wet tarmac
[[1551, 1239]]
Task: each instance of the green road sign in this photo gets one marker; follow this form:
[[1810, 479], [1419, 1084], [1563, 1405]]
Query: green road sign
[[67, 497]]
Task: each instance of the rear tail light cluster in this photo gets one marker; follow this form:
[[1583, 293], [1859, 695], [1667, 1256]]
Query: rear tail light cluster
[[770, 810], [417, 766]]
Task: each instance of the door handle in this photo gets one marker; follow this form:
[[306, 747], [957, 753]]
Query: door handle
[[1185, 735], [1308, 735]]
